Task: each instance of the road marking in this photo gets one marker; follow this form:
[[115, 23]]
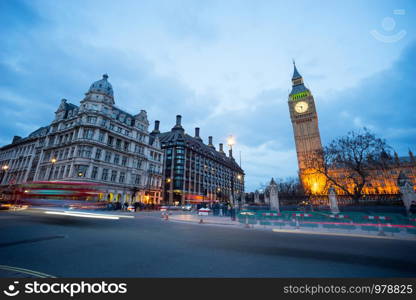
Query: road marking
[[26, 271], [32, 240]]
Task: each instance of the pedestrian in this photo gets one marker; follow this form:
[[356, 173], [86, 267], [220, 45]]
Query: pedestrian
[[126, 205]]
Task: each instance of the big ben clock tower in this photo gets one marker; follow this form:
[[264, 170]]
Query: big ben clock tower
[[305, 129]]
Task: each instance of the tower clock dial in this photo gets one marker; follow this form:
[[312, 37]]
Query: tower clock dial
[[301, 107]]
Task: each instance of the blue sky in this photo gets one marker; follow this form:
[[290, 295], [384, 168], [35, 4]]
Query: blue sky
[[225, 66]]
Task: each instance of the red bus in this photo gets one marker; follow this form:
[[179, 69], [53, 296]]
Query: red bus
[[73, 194]]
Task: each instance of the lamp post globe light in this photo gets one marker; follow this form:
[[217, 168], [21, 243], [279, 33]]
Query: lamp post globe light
[[4, 169], [53, 162]]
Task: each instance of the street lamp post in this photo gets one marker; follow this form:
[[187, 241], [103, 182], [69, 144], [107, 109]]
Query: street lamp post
[[231, 142], [4, 169], [53, 161]]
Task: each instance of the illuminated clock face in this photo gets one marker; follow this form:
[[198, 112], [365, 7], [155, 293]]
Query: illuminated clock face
[[301, 107]]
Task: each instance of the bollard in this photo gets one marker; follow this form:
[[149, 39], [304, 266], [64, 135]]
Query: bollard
[[247, 225], [166, 216], [201, 221], [380, 230], [297, 223]]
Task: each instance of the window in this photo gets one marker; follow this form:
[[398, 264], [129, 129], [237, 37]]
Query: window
[[68, 168], [98, 154], [126, 146], [113, 176], [104, 176], [47, 156], [55, 175], [124, 161], [138, 149], [178, 184], [42, 173], [88, 133], [121, 178], [94, 172], [138, 164], [61, 175], [118, 144], [84, 151], [90, 119], [107, 156], [136, 179], [116, 159], [101, 136], [110, 141], [51, 140]]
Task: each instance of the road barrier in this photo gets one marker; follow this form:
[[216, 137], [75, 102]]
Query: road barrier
[[372, 223]]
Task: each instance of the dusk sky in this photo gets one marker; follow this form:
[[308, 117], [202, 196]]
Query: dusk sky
[[225, 66]]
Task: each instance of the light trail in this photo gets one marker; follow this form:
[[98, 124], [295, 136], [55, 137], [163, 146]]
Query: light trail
[[83, 215]]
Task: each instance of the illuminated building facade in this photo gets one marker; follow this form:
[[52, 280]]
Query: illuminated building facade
[[306, 131], [304, 119], [93, 142], [195, 172]]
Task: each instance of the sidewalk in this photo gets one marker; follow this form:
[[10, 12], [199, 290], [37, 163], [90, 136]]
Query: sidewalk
[[194, 218], [286, 227]]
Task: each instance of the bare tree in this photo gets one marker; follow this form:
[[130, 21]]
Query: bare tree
[[289, 186], [348, 162]]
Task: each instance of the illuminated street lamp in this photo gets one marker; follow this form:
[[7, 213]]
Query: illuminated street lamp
[[4, 168], [230, 143], [53, 161]]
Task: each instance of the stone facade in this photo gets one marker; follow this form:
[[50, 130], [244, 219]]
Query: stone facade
[[93, 142], [304, 119]]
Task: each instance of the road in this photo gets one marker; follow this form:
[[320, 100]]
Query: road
[[147, 246]]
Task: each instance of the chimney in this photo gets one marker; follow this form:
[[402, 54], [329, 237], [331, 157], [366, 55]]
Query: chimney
[[221, 148], [16, 138], [230, 153], [157, 123], [210, 141], [178, 125], [197, 132]]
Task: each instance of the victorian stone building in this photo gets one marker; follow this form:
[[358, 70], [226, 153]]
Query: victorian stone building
[[195, 172], [93, 142]]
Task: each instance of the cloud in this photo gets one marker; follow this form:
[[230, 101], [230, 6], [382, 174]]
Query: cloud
[[225, 66]]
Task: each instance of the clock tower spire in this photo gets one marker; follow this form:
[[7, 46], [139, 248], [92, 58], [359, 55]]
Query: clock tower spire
[[305, 129]]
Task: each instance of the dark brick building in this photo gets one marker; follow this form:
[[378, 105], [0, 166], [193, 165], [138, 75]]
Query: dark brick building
[[196, 172]]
